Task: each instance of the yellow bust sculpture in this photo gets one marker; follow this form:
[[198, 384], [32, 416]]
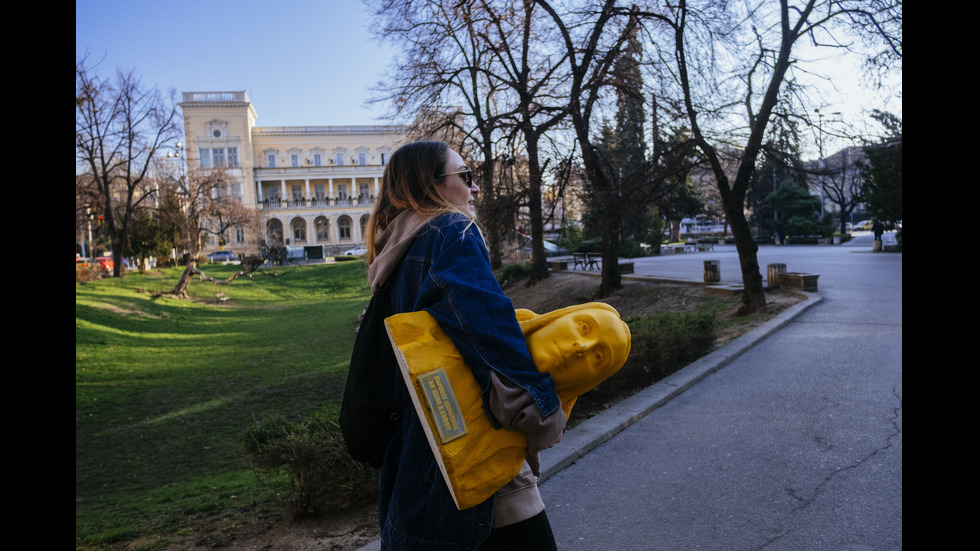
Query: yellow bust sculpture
[[580, 346]]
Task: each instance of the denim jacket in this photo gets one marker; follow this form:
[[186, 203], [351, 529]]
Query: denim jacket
[[447, 273]]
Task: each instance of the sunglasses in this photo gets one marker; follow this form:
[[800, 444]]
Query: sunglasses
[[467, 176]]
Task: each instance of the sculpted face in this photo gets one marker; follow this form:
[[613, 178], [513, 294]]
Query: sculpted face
[[580, 347]]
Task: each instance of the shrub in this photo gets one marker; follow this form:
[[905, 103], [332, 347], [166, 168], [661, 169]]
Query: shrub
[[661, 345], [88, 273], [312, 451], [630, 248]]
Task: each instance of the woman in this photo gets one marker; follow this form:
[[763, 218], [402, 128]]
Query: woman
[[425, 247]]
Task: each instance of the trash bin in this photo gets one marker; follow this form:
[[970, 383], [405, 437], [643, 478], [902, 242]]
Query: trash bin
[[772, 274], [712, 271]]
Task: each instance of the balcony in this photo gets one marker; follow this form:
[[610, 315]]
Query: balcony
[[278, 204], [322, 171]]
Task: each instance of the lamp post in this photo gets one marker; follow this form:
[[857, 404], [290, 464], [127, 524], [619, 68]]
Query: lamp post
[[178, 155], [823, 159]]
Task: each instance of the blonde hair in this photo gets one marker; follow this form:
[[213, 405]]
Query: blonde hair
[[407, 184]]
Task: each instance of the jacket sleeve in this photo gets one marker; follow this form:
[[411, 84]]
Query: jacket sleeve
[[460, 292]]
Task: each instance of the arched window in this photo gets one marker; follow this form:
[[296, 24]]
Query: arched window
[[298, 230], [273, 233], [322, 225], [344, 228]]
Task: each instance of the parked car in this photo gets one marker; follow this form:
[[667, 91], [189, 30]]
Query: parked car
[[222, 256], [356, 251], [864, 225], [105, 263]]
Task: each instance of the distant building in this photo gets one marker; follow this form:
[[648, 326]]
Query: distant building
[[837, 179], [313, 185]]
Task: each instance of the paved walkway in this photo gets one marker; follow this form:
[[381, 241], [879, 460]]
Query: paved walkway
[[788, 438]]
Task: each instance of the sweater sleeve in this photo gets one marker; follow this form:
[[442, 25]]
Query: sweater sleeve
[[514, 409]]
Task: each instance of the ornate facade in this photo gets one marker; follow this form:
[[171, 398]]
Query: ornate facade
[[314, 186]]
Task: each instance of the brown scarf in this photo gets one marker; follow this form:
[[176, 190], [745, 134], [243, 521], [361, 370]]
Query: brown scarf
[[392, 245]]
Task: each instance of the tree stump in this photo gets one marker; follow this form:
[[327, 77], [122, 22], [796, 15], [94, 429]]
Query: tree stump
[[772, 274], [712, 271]]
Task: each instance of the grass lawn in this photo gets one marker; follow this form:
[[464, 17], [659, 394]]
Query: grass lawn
[[165, 387]]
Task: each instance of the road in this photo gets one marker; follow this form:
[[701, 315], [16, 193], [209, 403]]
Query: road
[[796, 445]]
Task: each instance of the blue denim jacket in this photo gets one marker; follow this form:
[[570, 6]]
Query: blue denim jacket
[[447, 273]]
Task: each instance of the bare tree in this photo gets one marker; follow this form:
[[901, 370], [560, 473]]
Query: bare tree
[[591, 42], [205, 208], [443, 63], [487, 57], [119, 128], [839, 179], [736, 55]]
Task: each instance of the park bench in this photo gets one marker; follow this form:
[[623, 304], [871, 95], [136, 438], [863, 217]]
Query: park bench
[[586, 260]]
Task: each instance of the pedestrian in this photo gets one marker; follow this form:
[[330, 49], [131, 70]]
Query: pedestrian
[[878, 229], [426, 247]]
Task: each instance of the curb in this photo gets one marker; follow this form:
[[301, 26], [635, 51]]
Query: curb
[[600, 428]]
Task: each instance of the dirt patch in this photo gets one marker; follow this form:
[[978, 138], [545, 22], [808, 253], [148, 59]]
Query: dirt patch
[[351, 531]]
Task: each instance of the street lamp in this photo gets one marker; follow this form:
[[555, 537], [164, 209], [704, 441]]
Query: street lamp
[[823, 158], [177, 152]]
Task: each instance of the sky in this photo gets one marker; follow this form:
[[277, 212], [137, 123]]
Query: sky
[[302, 62]]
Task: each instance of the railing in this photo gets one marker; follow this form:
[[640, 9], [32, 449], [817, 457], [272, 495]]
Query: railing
[[190, 97], [313, 203], [330, 170]]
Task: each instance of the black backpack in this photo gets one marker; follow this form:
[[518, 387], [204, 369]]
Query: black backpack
[[368, 415]]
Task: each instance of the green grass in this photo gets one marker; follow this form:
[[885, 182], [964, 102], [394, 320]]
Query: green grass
[[164, 389]]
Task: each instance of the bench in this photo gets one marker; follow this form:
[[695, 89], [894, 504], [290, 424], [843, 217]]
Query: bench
[[220, 298], [798, 281], [586, 260]]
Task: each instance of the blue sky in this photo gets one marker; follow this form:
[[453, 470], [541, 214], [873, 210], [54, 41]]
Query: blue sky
[[302, 62]]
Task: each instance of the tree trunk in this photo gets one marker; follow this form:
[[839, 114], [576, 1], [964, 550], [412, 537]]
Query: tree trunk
[[611, 278], [180, 290], [539, 267], [753, 292]]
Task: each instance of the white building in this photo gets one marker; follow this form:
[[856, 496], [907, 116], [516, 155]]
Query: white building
[[314, 186]]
